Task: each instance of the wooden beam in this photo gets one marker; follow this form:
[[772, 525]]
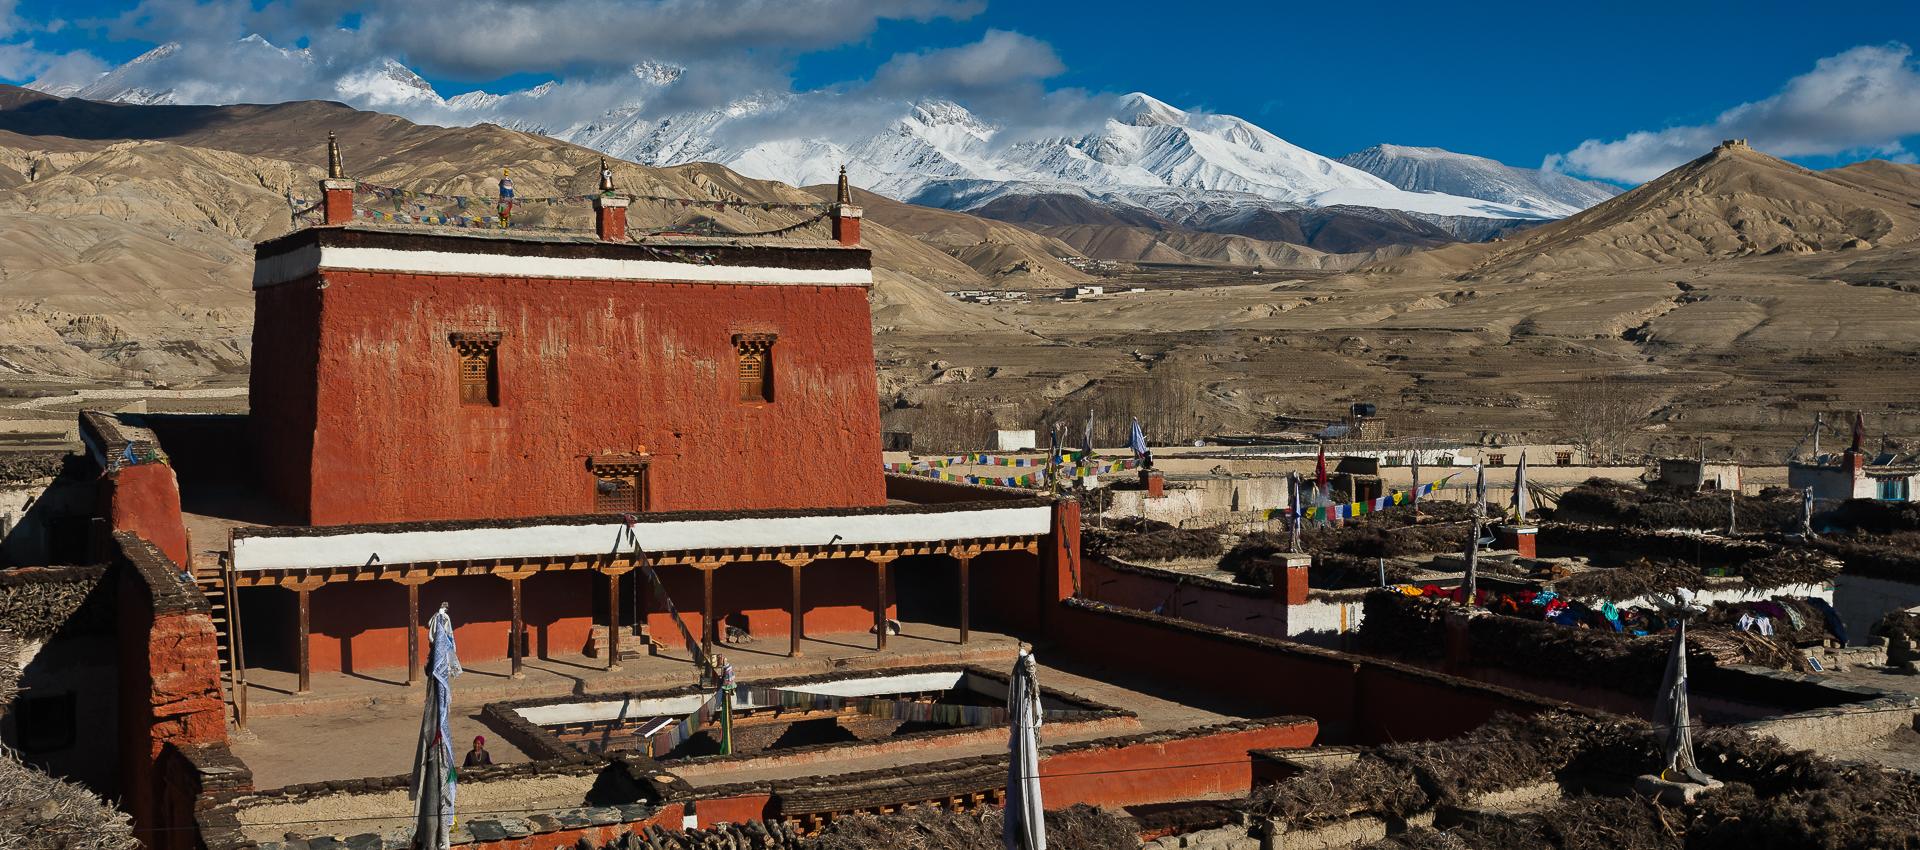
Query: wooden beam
[[306, 647]]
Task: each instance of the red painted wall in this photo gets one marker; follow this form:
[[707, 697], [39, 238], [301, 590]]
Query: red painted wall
[[837, 595], [585, 367], [1354, 698], [145, 500], [1254, 614], [281, 388], [361, 626], [1162, 772]]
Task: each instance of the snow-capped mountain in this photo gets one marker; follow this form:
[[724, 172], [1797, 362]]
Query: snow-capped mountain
[[1142, 152], [1436, 170]]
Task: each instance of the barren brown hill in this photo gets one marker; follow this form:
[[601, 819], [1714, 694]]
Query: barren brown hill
[[1141, 244], [1010, 257], [1733, 202]]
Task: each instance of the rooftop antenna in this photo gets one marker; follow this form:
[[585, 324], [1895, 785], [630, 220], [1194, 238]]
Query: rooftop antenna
[[335, 169]]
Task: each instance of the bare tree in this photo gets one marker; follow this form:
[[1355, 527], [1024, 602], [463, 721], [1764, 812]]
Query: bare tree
[[1598, 415]]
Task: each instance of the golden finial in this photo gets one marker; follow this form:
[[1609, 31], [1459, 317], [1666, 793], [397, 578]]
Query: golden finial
[[335, 169], [846, 194], [606, 178]]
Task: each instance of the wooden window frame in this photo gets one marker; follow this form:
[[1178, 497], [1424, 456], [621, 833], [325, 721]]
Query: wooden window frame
[[1563, 458], [754, 348], [631, 470], [1497, 459], [470, 347]]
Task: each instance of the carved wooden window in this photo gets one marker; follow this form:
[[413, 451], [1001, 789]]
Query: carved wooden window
[[479, 355], [619, 485], [755, 353]]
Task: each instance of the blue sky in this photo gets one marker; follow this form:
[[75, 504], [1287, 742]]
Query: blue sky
[[1519, 82]]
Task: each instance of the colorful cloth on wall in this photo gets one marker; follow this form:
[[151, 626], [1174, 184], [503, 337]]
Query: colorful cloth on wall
[[1349, 510]]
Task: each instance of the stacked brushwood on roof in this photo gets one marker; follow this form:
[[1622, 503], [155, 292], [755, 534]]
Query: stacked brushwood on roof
[[1348, 555], [1609, 502], [1074, 828], [38, 602], [1636, 579], [1775, 797], [1139, 540], [39, 812], [20, 467]]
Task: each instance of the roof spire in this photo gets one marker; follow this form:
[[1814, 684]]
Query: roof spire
[[846, 194], [335, 169], [606, 177]]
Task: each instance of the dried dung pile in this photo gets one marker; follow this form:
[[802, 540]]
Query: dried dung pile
[[1608, 502], [1075, 828]]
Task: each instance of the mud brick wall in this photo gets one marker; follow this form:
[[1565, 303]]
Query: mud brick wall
[[169, 680]]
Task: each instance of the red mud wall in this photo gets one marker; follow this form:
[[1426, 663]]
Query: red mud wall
[[169, 683], [361, 626], [280, 388], [837, 596], [1355, 699], [585, 367], [1255, 612], [1165, 771], [145, 500]]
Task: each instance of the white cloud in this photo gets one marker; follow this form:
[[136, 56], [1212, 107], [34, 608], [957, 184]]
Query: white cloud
[[1865, 100], [998, 59]]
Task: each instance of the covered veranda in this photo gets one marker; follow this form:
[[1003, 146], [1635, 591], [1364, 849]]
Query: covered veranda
[[379, 575]]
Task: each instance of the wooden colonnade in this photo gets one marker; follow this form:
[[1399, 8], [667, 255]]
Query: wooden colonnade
[[517, 570]]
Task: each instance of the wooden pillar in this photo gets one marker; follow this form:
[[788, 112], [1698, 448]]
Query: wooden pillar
[[796, 624], [413, 628], [880, 563], [613, 620], [516, 628], [707, 632], [966, 561], [303, 587]]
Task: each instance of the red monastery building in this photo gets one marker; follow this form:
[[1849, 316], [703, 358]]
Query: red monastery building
[[518, 425]]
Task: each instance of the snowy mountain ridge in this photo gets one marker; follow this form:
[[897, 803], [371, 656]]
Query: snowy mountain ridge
[[1145, 153]]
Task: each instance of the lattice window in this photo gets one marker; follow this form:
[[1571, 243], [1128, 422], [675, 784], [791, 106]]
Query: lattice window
[[1563, 458], [1496, 460], [755, 352], [620, 487], [479, 355]]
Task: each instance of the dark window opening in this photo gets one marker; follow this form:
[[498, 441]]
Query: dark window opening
[[479, 368], [755, 353], [620, 488], [1563, 458], [1496, 460], [45, 723]]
